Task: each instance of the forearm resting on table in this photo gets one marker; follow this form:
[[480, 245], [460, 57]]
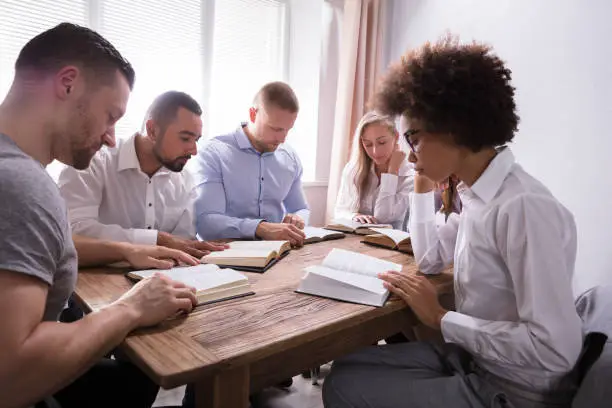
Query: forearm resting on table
[[95, 252], [54, 354]]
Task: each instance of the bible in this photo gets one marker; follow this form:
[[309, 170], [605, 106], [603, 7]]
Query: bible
[[348, 276], [249, 256], [314, 234], [390, 238], [354, 227], [212, 283]]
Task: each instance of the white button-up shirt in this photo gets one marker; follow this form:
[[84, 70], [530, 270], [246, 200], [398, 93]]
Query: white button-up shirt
[[113, 199], [514, 249], [387, 198]]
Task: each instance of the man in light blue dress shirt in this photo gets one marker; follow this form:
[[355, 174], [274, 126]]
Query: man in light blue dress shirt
[[249, 182]]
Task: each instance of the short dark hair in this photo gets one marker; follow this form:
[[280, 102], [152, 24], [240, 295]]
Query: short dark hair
[[277, 94], [68, 43], [164, 108], [463, 90]]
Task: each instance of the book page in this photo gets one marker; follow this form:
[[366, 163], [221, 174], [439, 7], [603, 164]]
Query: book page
[[268, 246], [372, 226], [355, 262], [202, 277], [314, 232], [356, 224], [238, 253], [364, 282], [396, 235], [346, 222]]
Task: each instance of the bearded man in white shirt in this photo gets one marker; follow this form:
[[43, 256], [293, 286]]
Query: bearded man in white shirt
[[515, 336], [139, 191]]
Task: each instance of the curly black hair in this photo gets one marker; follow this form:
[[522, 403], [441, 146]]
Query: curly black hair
[[461, 90]]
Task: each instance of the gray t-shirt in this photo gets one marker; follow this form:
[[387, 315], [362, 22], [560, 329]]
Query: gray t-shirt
[[35, 237]]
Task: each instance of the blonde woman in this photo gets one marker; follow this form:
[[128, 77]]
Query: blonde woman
[[377, 180]]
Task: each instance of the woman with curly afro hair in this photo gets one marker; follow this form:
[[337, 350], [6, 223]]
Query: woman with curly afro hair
[[515, 336]]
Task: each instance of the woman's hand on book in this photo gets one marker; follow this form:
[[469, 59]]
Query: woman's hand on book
[[155, 256], [419, 294], [365, 219], [157, 298], [193, 247]]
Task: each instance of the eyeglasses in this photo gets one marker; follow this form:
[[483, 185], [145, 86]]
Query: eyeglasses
[[407, 134]]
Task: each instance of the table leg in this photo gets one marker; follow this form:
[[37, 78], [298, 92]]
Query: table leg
[[226, 389]]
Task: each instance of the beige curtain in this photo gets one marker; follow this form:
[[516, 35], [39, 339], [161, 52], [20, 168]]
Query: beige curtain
[[359, 67]]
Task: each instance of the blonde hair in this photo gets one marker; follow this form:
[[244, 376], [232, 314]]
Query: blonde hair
[[360, 163]]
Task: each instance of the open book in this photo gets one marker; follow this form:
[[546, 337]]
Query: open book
[[390, 238], [354, 227], [314, 234], [251, 256], [349, 276], [212, 283]]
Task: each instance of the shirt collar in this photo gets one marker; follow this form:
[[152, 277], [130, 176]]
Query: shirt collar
[[242, 139], [127, 155], [243, 142], [491, 180], [128, 158]]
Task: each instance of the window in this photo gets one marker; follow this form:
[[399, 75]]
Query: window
[[248, 51], [20, 20], [305, 47], [218, 51], [163, 41]]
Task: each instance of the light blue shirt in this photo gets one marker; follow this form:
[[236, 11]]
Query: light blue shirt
[[238, 187]]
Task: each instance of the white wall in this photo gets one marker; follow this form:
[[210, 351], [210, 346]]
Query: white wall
[[561, 58]]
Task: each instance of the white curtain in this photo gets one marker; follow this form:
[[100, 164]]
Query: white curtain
[[360, 61]]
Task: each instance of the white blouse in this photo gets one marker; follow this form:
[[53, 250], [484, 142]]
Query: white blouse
[[514, 248], [387, 198]]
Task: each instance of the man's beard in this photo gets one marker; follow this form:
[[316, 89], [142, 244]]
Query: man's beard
[[81, 151], [266, 147], [173, 165], [82, 157]]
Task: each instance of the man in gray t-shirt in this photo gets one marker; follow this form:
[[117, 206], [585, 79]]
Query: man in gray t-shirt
[[35, 234], [70, 87]]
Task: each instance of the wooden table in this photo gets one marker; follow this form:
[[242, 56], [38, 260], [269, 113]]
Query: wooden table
[[232, 348]]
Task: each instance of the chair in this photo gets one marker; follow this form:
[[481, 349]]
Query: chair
[[594, 371]]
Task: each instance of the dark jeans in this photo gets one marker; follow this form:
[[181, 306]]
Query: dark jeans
[[189, 397], [108, 384], [72, 313], [397, 338]]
